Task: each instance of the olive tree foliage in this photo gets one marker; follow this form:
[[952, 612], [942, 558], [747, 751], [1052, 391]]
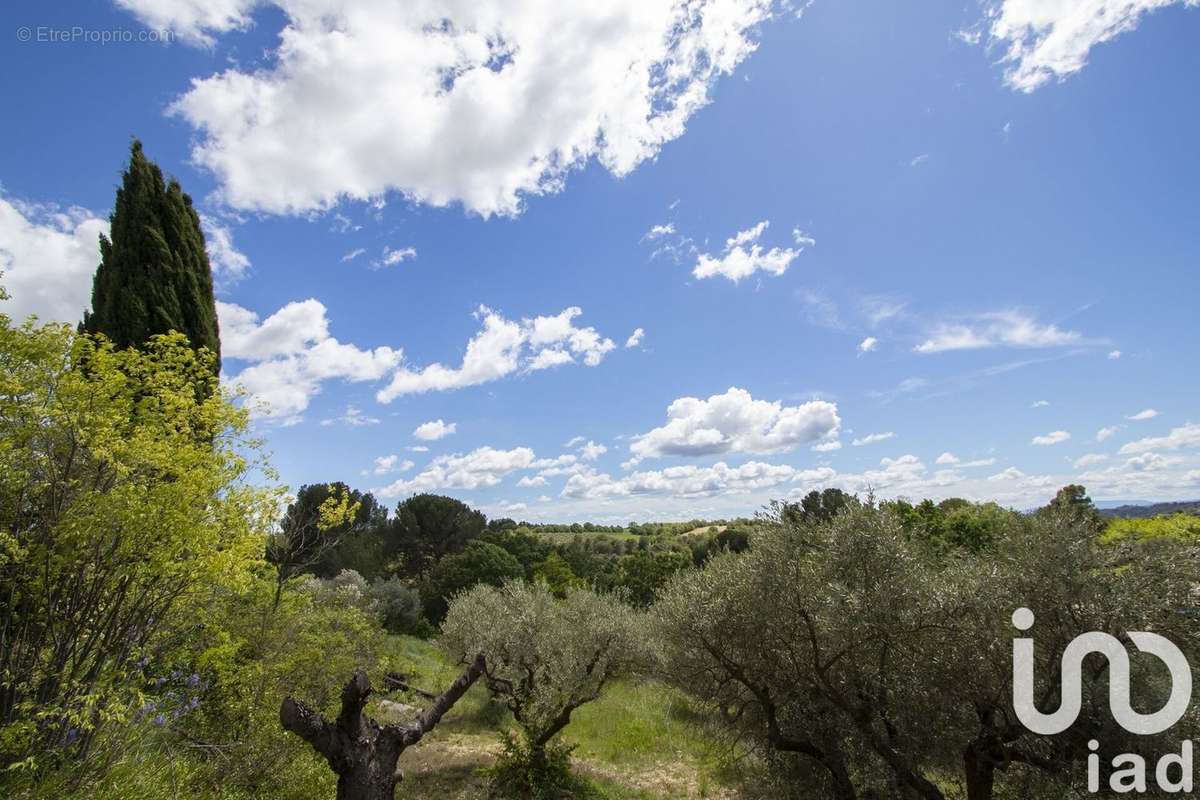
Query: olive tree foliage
[[545, 657], [866, 663], [123, 497]]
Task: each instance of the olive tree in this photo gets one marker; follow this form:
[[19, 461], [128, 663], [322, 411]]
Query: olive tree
[[545, 657], [873, 665]]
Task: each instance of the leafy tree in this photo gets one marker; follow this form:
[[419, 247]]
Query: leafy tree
[[329, 527], [819, 506], [889, 672], [117, 519], [557, 575], [642, 573], [529, 549], [154, 276], [480, 562], [1074, 502], [398, 606], [544, 658], [428, 527]]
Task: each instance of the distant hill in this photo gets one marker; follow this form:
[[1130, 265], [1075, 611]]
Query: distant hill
[[1143, 510]]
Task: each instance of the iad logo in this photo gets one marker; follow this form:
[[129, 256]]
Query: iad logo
[[1133, 776]]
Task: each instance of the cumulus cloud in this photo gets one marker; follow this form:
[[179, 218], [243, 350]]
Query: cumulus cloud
[[386, 465], [872, 438], [1054, 437], [868, 344], [592, 451], [48, 255], [480, 103], [827, 447], [1145, 414], [480, 468], [996, 329], [1185, 436], [947, 458], [503, 347], [1106, 433], [688, 481], [635, 338], [743, 256], [434, 429], [223, 256], [1089, 460], [193, 20], [734, 422], [291, 353], [1051, 40], [1113, 355]]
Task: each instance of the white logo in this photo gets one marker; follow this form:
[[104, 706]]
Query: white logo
[[1118, 687]]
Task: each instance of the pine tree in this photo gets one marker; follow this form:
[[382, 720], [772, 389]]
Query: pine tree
[[154, 274]]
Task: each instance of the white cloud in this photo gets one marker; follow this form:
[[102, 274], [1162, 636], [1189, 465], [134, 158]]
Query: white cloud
[[1113, 355], [573, 441], [1040, 404], [223, 256], [1185, 436], [827, 447], [592, 451], [868, 344], [919, 160], [385, 465], [434, 429], [291, 354], [1054, 437], [1145, 414], [803, 239], [659, 231], [1090, 459], [480, 468], [531, 480], [947, 458], [503, 347], [1051, 39], [392, 257], [743, 256], [417, 448], [689, 480], [481, 103], [734, 422], [635, 338], [996, 329], [353, 254], [353, 417], [48, 256], [193, 20], [872, 438], [1106, 433]]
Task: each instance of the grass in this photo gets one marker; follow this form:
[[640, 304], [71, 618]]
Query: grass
[[641, 740]]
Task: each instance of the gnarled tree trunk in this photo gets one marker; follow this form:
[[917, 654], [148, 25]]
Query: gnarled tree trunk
[[362, 753]]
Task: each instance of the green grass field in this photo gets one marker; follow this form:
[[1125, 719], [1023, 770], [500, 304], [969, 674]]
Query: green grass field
[[641, 740]]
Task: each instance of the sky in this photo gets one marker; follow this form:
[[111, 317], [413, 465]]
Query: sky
[[649, 259]]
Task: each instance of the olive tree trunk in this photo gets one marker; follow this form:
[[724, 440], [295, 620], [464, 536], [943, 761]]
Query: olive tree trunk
[[362, 753]]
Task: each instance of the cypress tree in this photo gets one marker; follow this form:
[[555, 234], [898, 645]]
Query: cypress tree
[[154, 274]]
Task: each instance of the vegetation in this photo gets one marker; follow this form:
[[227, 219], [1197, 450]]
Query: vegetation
[[171, 627], [544, 658], [154, 276]]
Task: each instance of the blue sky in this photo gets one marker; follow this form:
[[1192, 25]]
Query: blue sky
[[926, 249]]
